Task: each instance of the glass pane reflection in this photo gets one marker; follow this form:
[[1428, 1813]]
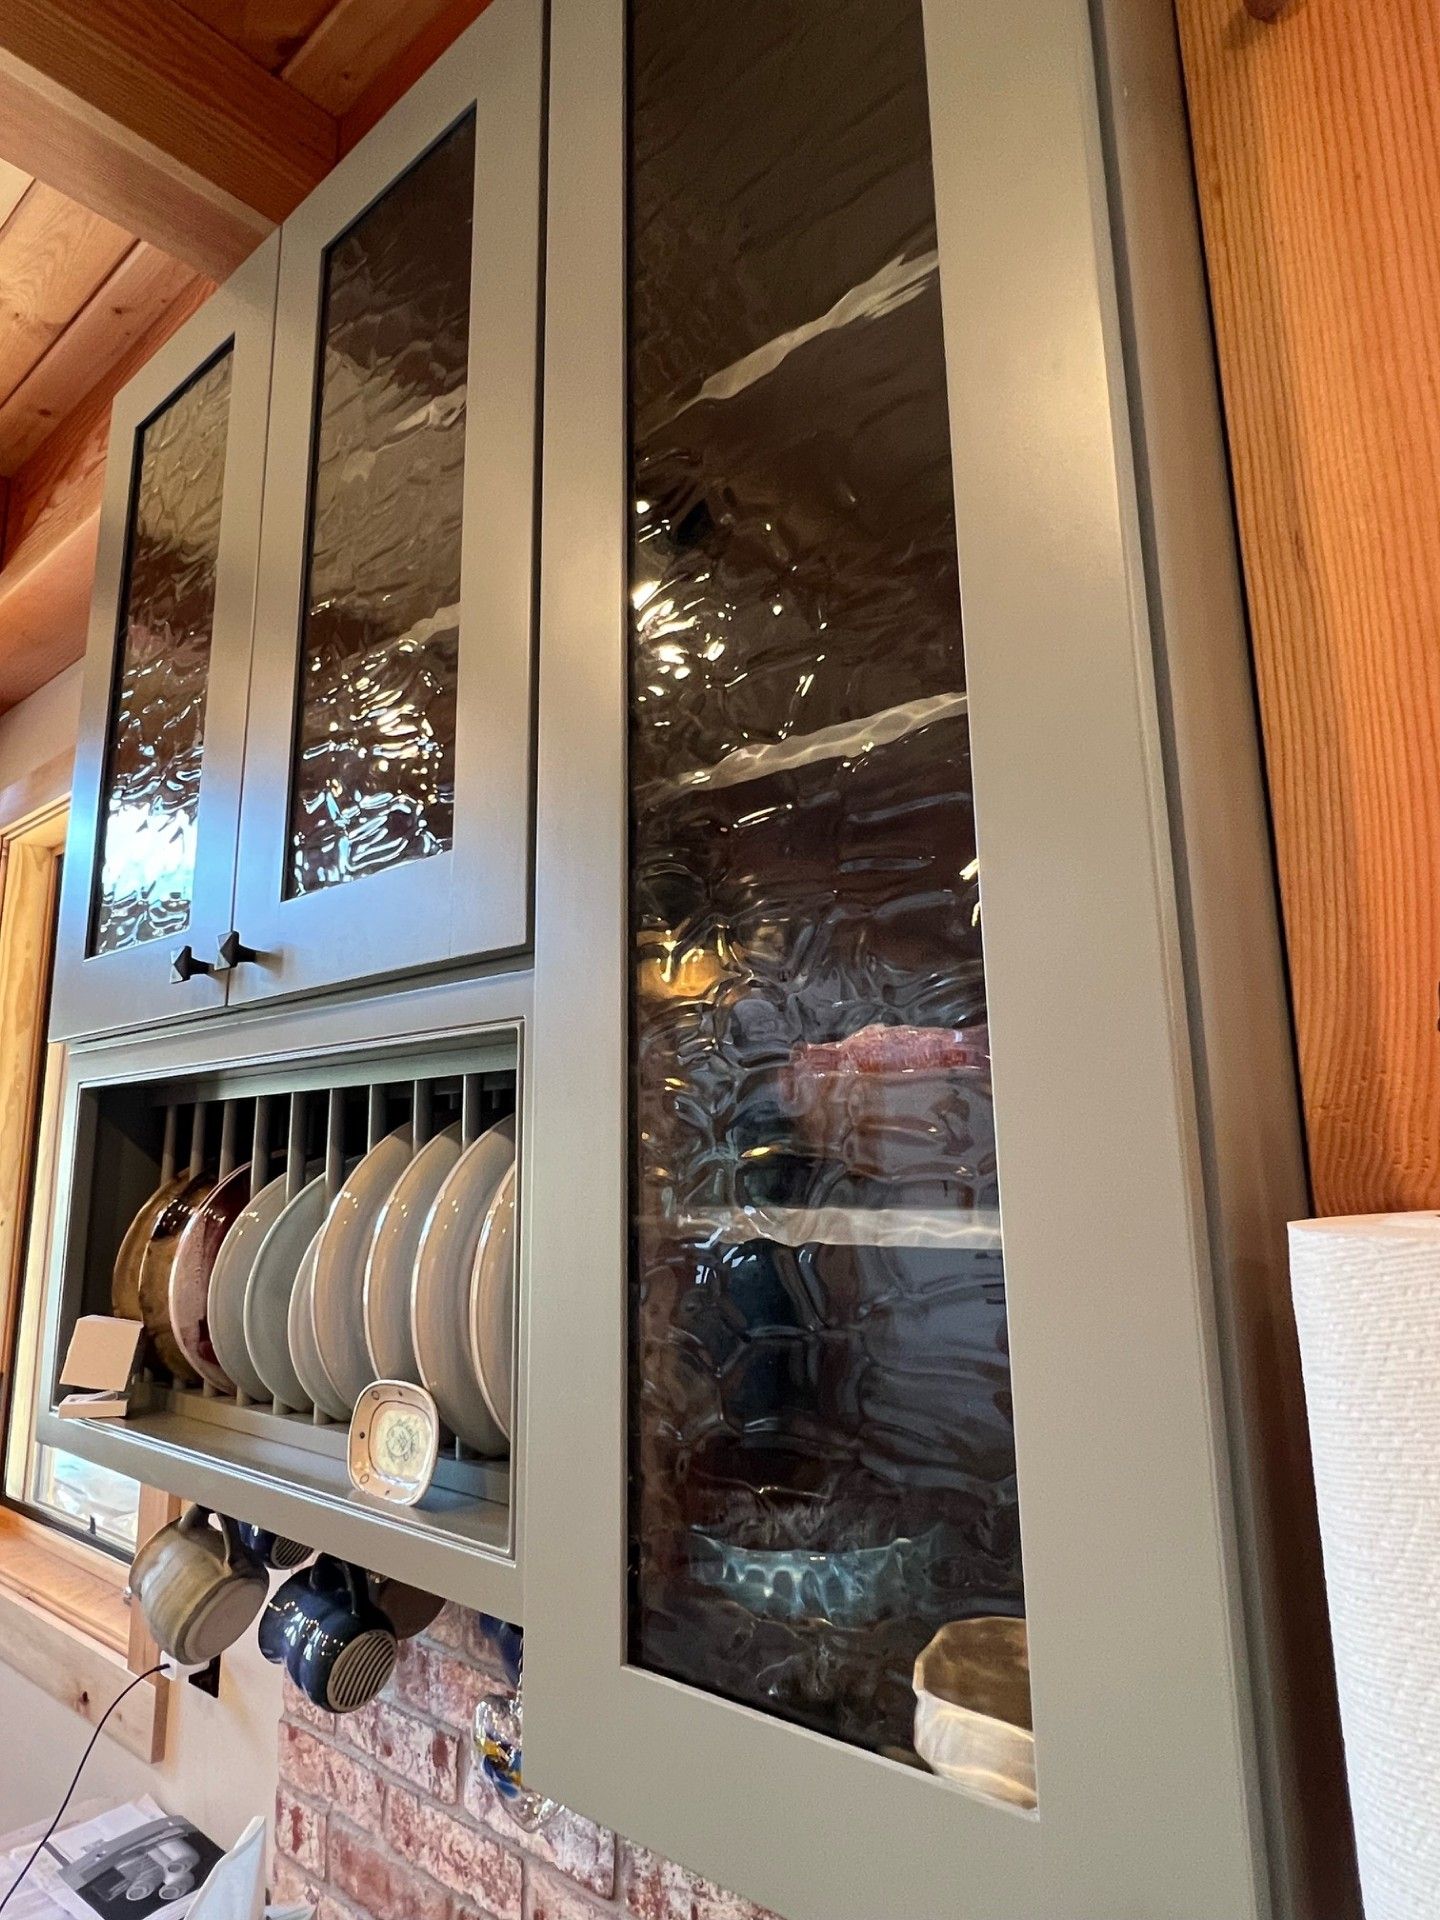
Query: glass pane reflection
[[822, 1456], [152, 782], [374, 775]]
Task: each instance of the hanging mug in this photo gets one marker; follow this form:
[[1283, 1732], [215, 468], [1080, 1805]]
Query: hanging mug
[[345, 1656], [198, 1586], [293, 1607], [273, 1548]]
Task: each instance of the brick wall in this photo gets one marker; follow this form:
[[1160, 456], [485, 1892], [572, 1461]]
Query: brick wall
[[386, 1814]]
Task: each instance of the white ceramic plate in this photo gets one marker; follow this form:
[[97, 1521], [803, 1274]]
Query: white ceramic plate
[[305, 1353], [492, 1305], [440, 1305], [231, 1276], [272, 1282], [394, 1252], [340, 1266]]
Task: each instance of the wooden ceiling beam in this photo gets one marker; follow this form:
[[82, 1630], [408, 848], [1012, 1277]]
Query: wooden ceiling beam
[[142, 113]]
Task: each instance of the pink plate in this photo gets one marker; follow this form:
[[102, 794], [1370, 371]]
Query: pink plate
[[190, 1275]]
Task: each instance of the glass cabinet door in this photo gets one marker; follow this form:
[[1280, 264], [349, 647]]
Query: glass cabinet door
[[870, 1570], [823, 1478], [150, 863], [386, 818]]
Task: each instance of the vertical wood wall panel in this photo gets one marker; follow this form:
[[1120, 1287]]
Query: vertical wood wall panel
[[1317, 146]]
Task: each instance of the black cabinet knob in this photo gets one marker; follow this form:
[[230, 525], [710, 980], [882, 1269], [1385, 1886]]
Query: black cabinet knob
[[233, 950], [183, 965]]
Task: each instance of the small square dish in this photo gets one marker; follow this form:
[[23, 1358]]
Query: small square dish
[[394, 1441]]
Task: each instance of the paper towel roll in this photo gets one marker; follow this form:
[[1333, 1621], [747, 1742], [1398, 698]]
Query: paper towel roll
[[1367, 1305]]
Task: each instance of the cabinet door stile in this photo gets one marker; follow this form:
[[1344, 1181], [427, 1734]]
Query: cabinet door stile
[[386, 819], [150, 862]]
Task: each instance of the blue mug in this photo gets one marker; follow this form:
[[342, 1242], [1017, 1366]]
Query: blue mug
[[292, 1609], [273, 1548], [346, 1653]]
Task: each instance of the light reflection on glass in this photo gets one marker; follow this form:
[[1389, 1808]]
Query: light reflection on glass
[[374, 777], [822, 1457], [152, 790]]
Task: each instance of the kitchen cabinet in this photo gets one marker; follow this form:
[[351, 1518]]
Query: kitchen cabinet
[[871, 1303], [905, 1135], [306, 754], [386, 818], [150, 862]]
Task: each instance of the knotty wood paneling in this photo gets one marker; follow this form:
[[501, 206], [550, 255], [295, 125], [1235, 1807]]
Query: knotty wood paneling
[[53, 256], [144, 286], [358, 41], [269, 31], [1317, 145]]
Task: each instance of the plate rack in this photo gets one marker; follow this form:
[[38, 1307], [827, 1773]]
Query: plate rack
[[302, 1114]]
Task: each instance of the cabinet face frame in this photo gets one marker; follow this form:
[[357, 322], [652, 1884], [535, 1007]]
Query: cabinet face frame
[[1145, 1746], [93, 993], [474, 898]]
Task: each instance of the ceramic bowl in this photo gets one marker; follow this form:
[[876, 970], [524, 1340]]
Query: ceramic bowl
[[125, 1280], [394, 1441], [972, 1708]]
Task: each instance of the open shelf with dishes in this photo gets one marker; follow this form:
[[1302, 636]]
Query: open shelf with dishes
[[289, 1232]]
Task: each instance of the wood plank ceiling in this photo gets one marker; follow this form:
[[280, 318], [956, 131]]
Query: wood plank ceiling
[[84, 300]]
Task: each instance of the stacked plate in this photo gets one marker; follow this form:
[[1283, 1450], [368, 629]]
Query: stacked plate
[[408, 1275]]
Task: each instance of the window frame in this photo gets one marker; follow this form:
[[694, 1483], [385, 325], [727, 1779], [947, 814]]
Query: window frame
[[65, 1621]]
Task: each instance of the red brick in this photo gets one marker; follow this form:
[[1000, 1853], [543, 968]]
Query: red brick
[[547, 1898], [436, 1682], [427, 1758], [304, 1762], [299, 1706], [657, 1889], [300, 1832], [329, 1908], [313, 1767], [290, 1885], [579, 1848], [455, 1852], [391, 1889], [463, 1633], [356, 1790], [713, 1903]]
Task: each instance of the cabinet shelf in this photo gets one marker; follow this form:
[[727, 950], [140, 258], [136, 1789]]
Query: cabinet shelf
[[847, 740], [972, 1231], [455, 1544]]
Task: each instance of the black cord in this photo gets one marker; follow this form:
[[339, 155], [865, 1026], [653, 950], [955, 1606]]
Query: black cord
[[148, 1674]]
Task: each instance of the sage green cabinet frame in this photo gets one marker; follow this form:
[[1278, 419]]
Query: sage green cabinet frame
[[475, 898], [246, 1461], [94, 993], [1127, 1125]]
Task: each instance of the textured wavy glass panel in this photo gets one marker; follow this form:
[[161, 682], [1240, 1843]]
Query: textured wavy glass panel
[[157, 728], [374, 773], [822, 1454]]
